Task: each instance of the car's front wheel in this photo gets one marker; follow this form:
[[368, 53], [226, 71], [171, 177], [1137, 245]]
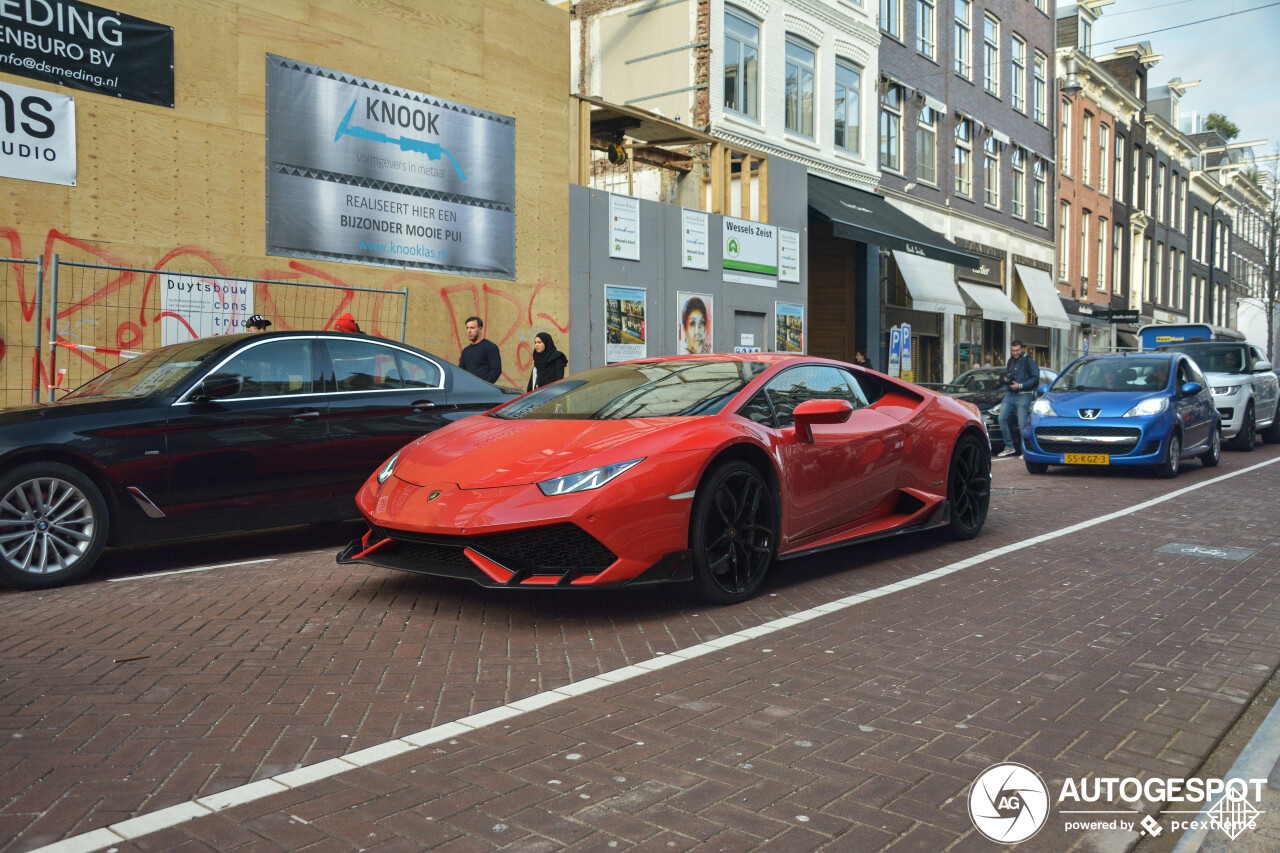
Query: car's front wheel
[[53, 525], [1211, 457], [1244, 439], [733, 533], [1037, 467], [1168, 469], [969, 487]]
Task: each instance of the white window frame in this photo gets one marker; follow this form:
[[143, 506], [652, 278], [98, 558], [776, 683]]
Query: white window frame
[[1018, 79], [963, 159], [991, 172], [1064, 242], [805, 67], [891, 120], [1104, 151], [848, 106], [1104, 234], [1018, 160], [1161, 170], [963, 64], [927, 28], [1085, 245], [1064, 137], [892, 10], [1086, 152], [1040, 194], [749, 110], [991, 54], [927, 140], [1040, 89]]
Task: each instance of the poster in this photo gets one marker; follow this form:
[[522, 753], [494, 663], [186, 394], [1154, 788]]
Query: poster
[[624, 227], [693, 319], [694, 226], [624, 323], [193, 306], [750, 252], [788, 255], [789, 321], [364, 172], [38, 136]]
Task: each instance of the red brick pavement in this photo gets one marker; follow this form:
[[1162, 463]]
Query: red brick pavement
[[860, 730]]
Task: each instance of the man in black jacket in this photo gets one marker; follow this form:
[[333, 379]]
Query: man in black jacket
[[1021, 376], [480, 357]]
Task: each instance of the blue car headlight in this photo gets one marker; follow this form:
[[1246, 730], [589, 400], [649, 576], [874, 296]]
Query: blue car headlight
[[388, 467], [1148, 407], [585, 481], [1042, 408]]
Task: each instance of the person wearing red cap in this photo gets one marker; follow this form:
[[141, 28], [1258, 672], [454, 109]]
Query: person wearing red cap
[[347, 323]]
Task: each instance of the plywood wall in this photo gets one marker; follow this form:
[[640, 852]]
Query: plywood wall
[[184, 188]]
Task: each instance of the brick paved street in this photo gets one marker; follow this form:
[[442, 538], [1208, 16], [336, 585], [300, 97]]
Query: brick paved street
[[858, 729]]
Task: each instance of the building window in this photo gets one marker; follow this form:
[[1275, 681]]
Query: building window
[[848, 108], [798, 96], [1117, 245], [1064, 138], [1064, 241], [1119, 175], [1039, 89], [891, 130], [991, 169], [1146, 267], [927, 27], [1195, 235], [1136, 171], [1018, 80], [1158, 284], [1178, 266], [927, 146], [964, 45], [1084, 252], [1103, 232], [1179, 219], [741, 65], [1149, 201], [1039, 206], [964, 158], [1160, 194], [1104, 150], [991, 54], [1019, 159], [1086, 36], [1086, 149], [891, 17]]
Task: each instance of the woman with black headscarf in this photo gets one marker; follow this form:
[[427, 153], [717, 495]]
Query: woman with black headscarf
[[548, 362]]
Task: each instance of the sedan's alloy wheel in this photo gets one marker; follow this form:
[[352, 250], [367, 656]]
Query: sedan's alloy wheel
[[46, 525]]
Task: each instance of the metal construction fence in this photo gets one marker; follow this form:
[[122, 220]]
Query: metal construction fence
[[79, 319]]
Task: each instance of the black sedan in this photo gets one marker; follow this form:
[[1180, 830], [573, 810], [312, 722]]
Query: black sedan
[[217, 435]]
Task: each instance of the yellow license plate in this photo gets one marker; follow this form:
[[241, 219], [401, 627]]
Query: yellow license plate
[[1086, 459]]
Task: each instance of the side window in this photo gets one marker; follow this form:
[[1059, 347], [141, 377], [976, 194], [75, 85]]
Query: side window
[[1196, 375], [417, 372], [857, 397], [1184, 373], [758, 409], [815, 382], [274, 369], [364, 366]]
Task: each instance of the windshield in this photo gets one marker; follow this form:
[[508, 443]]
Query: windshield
[[1214, 358], [645, 390], [974, 380], [156, 372], [1115, 374]]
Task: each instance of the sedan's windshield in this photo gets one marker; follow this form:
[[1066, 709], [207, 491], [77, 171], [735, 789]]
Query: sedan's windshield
[[1213, 357], [155, 372], [1115, 374], [646, 390]]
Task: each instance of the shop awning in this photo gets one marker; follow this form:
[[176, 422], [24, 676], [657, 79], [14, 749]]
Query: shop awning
[[932, 284], [1128, 339], [993, 302], [1043, 296], [868, 218]]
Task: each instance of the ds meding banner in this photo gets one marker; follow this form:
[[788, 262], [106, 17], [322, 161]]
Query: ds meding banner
[[365, 172], [87, 47]]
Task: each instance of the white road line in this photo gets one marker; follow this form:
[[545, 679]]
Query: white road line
[[99, 839], [189, 571]]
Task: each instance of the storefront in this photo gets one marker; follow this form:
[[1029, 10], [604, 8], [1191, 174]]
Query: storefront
[[1035, 292], [983, 328]]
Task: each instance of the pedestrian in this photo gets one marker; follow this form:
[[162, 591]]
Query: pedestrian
[[860, 359], [256, 323], [480, 357], [347, 323], [1021, 376], [548, 362]]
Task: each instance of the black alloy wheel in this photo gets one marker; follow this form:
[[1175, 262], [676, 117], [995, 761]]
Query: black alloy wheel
[[1246, 438], [1168, 469], [53, 525], [969, 487], [733, 533], [1213, 455]]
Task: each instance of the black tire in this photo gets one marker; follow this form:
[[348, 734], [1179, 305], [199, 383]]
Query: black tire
[[1168, 469], [1271, 435], [1037, 467], [1211, 457], [733, 533], [53, 525], [969, 487], [1245, 438]]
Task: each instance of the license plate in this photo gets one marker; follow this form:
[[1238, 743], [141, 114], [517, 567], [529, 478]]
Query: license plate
[[1086, 459]]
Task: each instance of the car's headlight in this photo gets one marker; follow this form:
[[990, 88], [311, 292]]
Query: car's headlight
[[1225, 390], [388, 468], [585, 481], [1042, 408], [1151, 406]]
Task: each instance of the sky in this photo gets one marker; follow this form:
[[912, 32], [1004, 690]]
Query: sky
[[1236, 57]]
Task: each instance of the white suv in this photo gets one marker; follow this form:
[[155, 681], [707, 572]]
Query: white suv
[[1245, 389]]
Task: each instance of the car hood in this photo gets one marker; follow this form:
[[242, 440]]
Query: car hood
[[1111, 404], [1226, 378], [487, 452], [73, 408]]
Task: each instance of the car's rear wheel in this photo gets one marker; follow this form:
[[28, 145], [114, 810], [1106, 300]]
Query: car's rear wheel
[[1211, 457], [969, 487], [1037, 467], [1271, 435], [1168, 469], [732, 533], [1244, 439], [53, 525]]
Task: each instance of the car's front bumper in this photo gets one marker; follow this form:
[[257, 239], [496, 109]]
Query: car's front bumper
[[1231, 408], [1135, 441]]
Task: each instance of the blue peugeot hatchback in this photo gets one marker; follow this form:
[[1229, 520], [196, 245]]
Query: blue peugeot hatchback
[[1150, 409]]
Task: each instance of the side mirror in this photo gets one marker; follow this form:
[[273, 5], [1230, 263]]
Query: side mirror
[[1190, 389], [1042, 389], [1262, 366], [218, 385], [812, 412]]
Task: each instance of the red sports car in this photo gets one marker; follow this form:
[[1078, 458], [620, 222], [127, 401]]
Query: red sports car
[[700, 468]]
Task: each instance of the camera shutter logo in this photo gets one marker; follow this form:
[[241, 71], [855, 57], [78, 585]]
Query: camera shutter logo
[[1008, 803]]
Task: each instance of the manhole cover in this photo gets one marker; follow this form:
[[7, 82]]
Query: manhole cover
[[1217, 553]]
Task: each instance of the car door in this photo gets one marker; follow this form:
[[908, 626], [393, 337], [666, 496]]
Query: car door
[[848, 468], [1193, 411], [382, 397], [257, 458], [1266, 389]]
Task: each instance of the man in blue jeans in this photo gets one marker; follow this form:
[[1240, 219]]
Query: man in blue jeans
[[1021, 376]]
